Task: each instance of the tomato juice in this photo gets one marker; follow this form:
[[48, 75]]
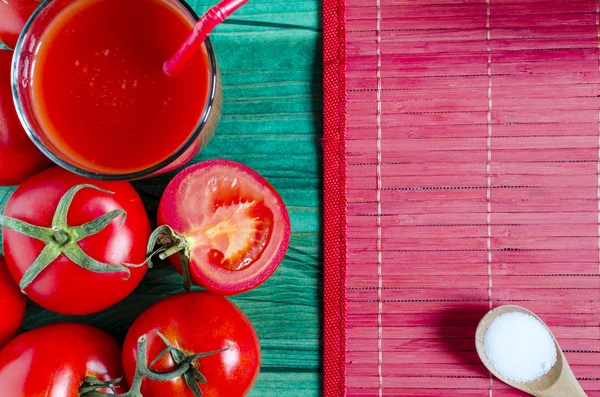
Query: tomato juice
[[98, 91]]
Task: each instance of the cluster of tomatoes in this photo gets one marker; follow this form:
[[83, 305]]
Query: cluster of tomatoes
[[192, 344], [78, 246]]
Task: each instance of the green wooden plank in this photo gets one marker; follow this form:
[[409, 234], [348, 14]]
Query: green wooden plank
[[270, 57]]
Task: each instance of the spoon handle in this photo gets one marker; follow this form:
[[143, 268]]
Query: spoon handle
[[564, 387], [569, 392]]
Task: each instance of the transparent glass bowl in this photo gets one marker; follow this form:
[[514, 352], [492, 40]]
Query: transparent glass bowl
[[22, 94]]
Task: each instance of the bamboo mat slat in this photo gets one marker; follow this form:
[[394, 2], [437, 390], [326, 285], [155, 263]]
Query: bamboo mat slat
[[472, 180]]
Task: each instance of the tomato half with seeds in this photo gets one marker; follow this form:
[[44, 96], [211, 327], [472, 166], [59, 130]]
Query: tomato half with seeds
[[194, 323], [12, 305], [13, 15], [56, 359], [69, 241], [228, 224]]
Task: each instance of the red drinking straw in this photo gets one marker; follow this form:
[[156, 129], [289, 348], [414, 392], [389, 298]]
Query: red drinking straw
[[214, 16]]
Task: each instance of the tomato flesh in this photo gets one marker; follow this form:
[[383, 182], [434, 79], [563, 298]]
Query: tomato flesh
[[236, 230], [235, 224]]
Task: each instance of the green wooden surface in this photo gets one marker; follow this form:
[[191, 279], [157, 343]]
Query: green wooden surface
[[270, 57]]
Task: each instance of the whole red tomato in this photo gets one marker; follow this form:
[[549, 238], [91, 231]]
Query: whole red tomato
[[12, 305], [197, 322], [19, 158], [55, 360], [89, 274], [13, 15], [228, 223]]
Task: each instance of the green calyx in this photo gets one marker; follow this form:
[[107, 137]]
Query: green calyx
[[91, 384], [185, 368], [171, 243], [62, 239], [192, 375]]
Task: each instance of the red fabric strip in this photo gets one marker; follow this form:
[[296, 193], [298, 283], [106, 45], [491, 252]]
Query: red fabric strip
[[334, 162]]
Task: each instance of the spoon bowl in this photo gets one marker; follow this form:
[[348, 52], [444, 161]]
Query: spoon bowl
[[559, 381]]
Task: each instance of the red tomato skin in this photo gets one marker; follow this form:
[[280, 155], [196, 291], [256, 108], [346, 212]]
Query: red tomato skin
[[54, 360], [197, 322], [13, 16], [218, 280], [12, 305], [19, 158], [64, 287]]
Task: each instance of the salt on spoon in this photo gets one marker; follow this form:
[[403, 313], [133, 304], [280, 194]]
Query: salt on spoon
[[519, 349]]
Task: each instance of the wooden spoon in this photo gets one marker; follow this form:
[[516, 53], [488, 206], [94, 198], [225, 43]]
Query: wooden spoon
[[558, 382]]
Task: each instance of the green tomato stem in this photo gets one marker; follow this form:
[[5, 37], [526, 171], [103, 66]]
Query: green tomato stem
[[61, 237], [136, 386], [172, 243], [185, 368]]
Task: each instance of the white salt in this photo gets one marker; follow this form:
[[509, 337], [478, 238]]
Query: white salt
[[519, 347]]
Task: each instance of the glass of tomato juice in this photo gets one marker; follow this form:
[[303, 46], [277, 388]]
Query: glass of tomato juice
[[90, 89]]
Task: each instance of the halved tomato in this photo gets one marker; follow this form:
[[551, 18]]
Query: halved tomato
[[229, 225]]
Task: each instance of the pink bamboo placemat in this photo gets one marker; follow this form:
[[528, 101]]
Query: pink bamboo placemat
[[469, 149]]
